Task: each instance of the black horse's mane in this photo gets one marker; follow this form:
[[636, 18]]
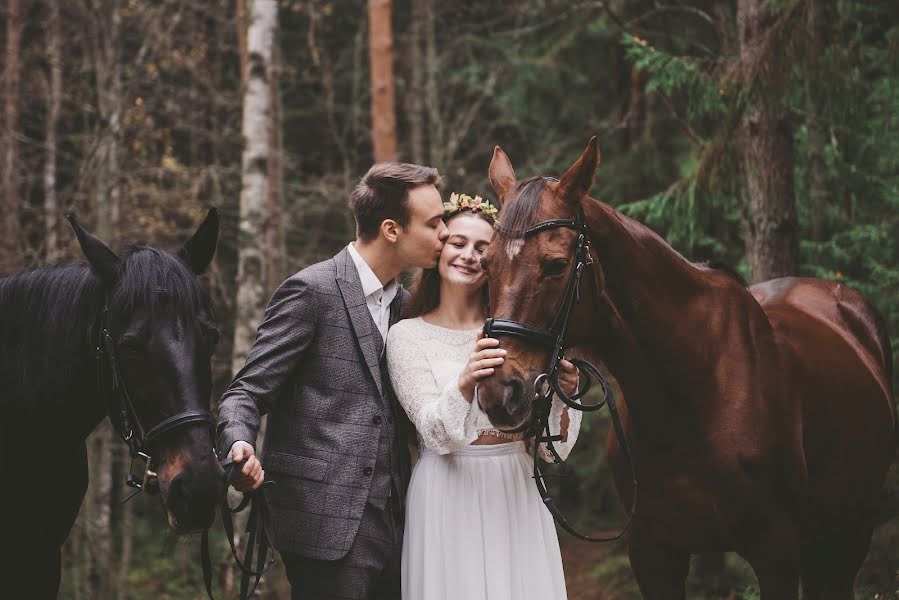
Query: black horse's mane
[[50, 319]]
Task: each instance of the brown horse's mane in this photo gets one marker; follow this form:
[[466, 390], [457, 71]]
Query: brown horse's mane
[[725, 268], [523, 210]]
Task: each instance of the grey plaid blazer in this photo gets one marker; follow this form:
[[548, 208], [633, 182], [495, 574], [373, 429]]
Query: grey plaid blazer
[[316, 370]]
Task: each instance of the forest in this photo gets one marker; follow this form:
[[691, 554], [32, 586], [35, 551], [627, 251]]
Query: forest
[[761, 134]]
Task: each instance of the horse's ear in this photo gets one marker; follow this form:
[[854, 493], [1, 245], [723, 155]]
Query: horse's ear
[[502, 176], [199, 249], [103, 260], [577, 181]]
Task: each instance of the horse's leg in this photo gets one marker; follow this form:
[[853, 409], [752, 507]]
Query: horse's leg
[[661, 571], [51, 494], [773, 553], [830, 565]]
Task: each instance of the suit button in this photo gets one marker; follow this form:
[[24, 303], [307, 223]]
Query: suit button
[[376, 419], [367, 471]]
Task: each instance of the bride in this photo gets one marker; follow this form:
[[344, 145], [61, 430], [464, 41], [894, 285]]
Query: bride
[[476, 527]]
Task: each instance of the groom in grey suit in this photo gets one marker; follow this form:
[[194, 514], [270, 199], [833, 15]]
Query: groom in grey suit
[[335, 444]]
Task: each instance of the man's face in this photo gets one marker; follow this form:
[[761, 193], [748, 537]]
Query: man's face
[[420, 243]]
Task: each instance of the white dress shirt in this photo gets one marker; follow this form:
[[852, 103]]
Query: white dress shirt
[[377, 297]]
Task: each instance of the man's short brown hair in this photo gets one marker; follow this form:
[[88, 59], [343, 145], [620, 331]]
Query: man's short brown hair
[[383, 194]]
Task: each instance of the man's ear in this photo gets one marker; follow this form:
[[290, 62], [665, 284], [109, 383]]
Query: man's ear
[[390, 229]]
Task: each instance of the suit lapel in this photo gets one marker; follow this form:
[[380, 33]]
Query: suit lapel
[[367, 335]]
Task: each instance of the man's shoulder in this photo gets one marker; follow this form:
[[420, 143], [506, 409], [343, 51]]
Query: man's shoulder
[[316, 274]]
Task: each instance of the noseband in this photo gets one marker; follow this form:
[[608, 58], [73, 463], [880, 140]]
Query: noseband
[[547, 385], [124, 418]]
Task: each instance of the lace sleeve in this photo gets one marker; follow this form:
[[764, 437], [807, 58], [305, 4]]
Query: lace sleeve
[[444, 419], [555, 428]]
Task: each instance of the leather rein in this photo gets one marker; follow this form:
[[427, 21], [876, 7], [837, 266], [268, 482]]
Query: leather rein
[[547, 384], [128, 426]]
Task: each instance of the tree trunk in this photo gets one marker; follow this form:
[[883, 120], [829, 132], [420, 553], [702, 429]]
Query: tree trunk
[[772, 240], [10, 240], [241, 19], [107, 64], [102, 444], [54, 104], [415, 109], [275, 250], [257, 103], [817, 173], [127, 537], [436, 137], [383, 108]]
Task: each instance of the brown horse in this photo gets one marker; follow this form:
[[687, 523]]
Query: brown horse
[[762, 419]]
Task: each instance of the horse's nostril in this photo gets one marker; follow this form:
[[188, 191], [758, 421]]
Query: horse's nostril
[[511, 394]]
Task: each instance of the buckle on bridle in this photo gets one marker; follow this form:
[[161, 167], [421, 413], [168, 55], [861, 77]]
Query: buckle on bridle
[[148, 483]]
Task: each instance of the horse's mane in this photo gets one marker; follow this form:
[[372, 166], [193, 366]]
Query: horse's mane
[[522, 211], [49, 320], [723, 267]]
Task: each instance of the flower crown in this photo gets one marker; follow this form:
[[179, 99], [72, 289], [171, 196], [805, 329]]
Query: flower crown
[[460, 202]]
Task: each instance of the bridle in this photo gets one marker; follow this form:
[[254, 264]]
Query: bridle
[[128, 425], [547, 383], [125, 419]]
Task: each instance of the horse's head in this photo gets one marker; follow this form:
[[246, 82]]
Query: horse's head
[[527, 275], [162, 335]]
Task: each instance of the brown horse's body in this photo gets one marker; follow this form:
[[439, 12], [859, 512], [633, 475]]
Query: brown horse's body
[[761, 418]]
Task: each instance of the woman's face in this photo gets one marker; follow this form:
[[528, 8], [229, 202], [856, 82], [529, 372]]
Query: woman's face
[[460, 261]]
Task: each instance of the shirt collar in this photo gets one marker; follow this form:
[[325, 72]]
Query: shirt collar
[[370, 282]]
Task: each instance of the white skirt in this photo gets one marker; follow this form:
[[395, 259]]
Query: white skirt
[[477, 529]]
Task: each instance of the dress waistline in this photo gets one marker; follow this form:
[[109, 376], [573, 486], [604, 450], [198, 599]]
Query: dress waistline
[[485, 450]]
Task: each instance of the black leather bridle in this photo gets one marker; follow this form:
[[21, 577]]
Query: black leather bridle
[[547, 384], [125, 419]]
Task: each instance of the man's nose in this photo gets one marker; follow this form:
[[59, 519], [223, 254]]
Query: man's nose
[[444, 232]]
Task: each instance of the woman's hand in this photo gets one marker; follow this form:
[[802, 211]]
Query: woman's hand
[[568, 377], [482, 363]]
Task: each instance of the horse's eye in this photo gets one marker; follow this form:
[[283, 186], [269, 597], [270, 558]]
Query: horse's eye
[[554, 268], [484, 265]]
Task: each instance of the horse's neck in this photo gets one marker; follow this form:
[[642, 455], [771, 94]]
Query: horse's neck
[[652, 291], [47, 346]]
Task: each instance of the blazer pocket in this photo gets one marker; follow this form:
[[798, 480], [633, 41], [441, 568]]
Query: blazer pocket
[[304, 467]]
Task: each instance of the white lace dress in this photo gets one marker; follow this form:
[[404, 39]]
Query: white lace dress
[[475, 525]]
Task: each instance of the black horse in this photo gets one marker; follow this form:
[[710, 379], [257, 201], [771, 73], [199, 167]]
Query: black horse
[[127, 337]]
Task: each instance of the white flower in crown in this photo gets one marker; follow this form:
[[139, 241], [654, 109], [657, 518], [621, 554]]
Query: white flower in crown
[[460, 202]]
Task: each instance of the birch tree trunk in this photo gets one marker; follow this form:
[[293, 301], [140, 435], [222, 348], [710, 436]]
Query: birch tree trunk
[[275, 250], [383, 105], [257, 103], [54, 104], [772, 240], [10, 237]]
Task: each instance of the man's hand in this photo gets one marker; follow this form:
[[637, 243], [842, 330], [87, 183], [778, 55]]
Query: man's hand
[[251, 474]]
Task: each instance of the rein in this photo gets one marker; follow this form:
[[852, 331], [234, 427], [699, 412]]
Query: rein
[[547, 383]]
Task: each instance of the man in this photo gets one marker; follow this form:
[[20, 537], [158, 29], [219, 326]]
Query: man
[[335, 444]]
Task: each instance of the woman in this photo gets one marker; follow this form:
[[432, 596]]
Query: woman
[[475, 525]]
